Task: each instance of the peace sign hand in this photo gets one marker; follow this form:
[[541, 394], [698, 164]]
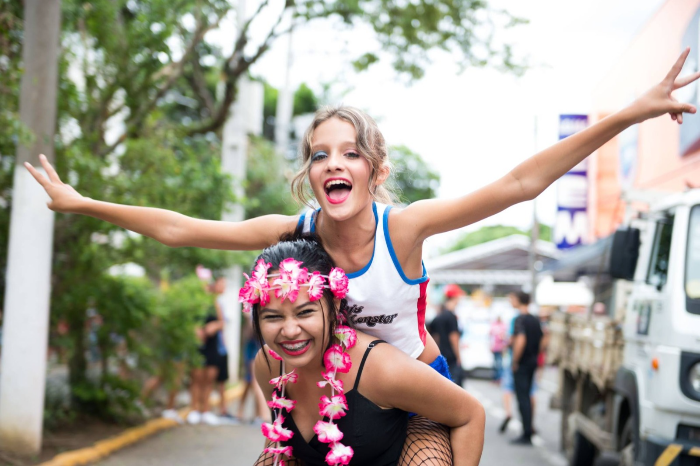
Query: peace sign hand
[[658, 100], [63, 197]]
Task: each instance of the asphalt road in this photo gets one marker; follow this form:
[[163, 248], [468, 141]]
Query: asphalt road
[[241, 445]]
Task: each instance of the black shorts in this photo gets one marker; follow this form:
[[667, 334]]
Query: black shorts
[[222, 364], [211, 356]]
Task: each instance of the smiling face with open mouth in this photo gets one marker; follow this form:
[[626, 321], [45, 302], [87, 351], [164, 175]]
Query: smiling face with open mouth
[[295, 330], [337, 190], [339, 175]]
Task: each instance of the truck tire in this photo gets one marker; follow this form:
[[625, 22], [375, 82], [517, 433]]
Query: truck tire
[[627, 453], [584, 452]]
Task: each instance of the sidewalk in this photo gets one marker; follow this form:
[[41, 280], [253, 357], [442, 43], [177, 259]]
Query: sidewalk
[[194, 445], [189, 445]]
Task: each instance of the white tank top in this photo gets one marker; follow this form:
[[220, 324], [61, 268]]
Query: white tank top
[[382, 301]]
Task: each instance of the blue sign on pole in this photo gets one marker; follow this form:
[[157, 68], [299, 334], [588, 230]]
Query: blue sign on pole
[[571, 225]]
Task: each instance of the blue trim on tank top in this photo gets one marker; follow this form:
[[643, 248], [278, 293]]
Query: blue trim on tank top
[[366, 267], [394, 259], [376, 223], [312, 223], [302, 217]]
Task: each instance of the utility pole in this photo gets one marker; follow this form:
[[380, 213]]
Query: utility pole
[[244, 118], [285, 108], [28, 288], [534, 236]]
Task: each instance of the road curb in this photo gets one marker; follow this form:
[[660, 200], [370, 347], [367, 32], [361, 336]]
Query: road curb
[[104, 448]]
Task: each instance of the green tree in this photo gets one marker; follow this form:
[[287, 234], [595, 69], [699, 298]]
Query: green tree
[[11, 130], [305, 100], [181, 307], [492, 232], [545, 232], [406, 33], [139, 120], [412, 178], [121, 305], [269, 110], [267, 181]]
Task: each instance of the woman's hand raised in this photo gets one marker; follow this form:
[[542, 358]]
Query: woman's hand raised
[[63, 197], [658, 100]]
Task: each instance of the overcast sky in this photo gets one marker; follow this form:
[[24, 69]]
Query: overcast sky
[[475, 126]]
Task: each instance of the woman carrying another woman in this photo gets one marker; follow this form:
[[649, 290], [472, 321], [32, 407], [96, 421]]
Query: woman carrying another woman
[[366, 387]]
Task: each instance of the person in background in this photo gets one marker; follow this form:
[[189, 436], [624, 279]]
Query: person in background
[[217, 289], [250, 350], [171, 376], [527, 339], [446, 330], [204, 376], [518, 301], [599, 309], [499, 342]]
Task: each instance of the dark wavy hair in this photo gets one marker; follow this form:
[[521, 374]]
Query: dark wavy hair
[[308, 250]]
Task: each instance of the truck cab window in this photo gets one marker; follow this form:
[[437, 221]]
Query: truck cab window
[[692, 263], [658, 266]]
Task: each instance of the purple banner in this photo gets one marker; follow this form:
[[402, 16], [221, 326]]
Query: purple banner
[[571, 226]]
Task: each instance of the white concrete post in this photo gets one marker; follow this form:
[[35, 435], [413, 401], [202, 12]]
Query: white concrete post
[[245, 118], [233, 161], [285, 107], [234, 148], [28, 287]]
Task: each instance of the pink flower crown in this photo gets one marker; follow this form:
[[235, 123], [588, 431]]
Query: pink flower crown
[[290, 278]]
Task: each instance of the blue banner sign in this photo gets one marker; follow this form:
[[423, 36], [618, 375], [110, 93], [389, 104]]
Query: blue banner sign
[[571, 225]]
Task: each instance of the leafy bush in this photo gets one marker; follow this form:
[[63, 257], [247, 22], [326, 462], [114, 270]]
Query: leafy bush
[[170, 336], [111, 399]]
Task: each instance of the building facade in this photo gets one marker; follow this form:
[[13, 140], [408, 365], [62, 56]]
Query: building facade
[[657, 155]]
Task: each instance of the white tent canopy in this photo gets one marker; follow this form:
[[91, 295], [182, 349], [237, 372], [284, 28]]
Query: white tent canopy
[[502, 261], [551, 293]]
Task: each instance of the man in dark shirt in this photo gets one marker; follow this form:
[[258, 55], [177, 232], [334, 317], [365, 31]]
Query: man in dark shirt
[[445, 330], [527, 337]]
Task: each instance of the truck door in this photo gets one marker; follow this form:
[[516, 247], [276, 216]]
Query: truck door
[[647, 298]]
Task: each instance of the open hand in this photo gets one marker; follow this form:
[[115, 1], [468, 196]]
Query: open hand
[[658, 100], [63, 197]]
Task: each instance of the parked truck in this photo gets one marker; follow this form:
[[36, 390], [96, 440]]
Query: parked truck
[[630, 379]]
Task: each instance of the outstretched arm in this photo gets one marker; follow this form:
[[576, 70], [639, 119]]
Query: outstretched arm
[[530, 178], [170, 228]]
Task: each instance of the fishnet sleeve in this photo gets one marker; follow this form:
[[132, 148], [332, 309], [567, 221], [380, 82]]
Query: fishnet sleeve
[[268, 459], [427, 444]]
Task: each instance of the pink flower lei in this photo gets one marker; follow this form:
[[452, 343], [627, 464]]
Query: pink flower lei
[[336, 359], [289, 279]]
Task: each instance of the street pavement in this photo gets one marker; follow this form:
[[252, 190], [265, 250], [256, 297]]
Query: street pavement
[[241, 445], [194, 446], [497, 448]]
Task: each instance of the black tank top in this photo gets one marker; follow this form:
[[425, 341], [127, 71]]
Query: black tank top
[[376, 435]]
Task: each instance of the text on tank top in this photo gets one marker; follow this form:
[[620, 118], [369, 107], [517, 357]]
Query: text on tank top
[[382, 301]]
